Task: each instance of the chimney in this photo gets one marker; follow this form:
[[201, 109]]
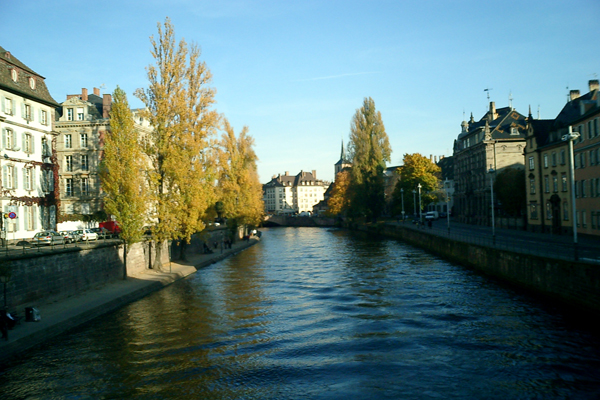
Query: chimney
[[106, 103], [574, 94], [84, 94], [314, 172], [287, 173], [493, 114], [97, 91], [594, 85]]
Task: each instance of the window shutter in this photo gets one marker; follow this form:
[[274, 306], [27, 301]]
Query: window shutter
[[15, 178], [26, 217], [34, 214], [23, 110], [3, 138], [32, 144], [33, 179], [24, 178], [3, 104], [23, 140], [50, 180], [4, 176]]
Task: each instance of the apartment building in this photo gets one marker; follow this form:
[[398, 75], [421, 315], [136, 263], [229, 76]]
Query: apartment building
[[290, 194], [27, 161]]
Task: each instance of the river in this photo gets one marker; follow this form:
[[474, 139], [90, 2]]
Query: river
[[313, 313]]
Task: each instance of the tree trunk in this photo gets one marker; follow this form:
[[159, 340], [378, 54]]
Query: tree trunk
[[125, 251], [157, 259], [183, 250]]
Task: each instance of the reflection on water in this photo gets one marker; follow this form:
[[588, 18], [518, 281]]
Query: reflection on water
[[320, 314]]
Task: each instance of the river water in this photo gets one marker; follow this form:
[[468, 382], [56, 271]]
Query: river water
[[312, 313]]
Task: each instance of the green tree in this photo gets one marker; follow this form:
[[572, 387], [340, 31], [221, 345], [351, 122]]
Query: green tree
[[370, 149], [240, 191], [416, 169], [122, 174], [179, 107], [510, 188]]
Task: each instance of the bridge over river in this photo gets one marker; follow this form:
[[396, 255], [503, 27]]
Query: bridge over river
[[312, 313]]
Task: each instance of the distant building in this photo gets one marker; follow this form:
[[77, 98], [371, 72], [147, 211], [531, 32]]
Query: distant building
[[290, 194], [83, 123], [28, 171], [342, 163], [496, 141]]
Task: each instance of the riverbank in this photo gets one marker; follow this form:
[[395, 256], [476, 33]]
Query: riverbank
[[60, 315], [568, 282]]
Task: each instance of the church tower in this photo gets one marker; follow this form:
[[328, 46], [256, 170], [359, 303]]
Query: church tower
[[343, 162]]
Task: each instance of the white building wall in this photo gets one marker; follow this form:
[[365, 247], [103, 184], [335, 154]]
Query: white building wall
[[26, 142]]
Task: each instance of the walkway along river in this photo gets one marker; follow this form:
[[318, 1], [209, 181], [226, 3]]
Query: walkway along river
[[312, 313]]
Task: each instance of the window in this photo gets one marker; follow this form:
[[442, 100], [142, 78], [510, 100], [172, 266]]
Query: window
[[9, 177], [84, 162], [69, 186], [83, 140], [548, 210], [532, 186], [43, 117], [582, 157], [546, 184], [69, 163], [582, 186], [68, 142], [563, 158], [563, 179], [545, 160], [85, 186], [79, 114], [27, 112], [32, 82], [45, 148], [514, 131], [14, 74], [28, 178], [533, 211], [583, 218], [565, 211], [531, 163], [554, 159], [8, 106], [69, 114], [555, 184], [27, 143], [47, 181], [592, 157], [8, 138]]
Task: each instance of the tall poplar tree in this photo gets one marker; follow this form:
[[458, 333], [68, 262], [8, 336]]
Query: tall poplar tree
[[179, 104], [370, 149], [240, 191], [122, 173]]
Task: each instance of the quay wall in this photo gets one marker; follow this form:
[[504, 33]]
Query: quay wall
[[43, 276], [569, 282]]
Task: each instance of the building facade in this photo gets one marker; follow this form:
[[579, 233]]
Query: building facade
[[29, 196], [291, 194], [494, 142], [84, 121]]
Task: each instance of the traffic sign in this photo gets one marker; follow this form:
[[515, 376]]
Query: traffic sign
[[12, 215]]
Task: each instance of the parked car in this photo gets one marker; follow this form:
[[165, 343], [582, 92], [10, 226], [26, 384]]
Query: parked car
[[68, 235], [77, 235], [102, 233], [87, 235], [432, 215], [48, 238]]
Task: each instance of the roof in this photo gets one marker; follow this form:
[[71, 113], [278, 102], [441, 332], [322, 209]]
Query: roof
[[500, 126], [22, 87], [578, 109], [294, 180]]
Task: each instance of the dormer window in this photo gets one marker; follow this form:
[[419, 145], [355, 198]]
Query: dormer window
[[514, 131], [32, 83], [80, 114], [14, 74], [69, 114]]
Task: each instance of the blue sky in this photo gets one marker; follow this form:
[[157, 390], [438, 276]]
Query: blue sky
[[295, 72]]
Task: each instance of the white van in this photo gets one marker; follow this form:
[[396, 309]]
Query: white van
[[432, 215]]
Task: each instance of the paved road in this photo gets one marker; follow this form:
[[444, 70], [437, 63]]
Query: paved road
[[556, 246], [14, 250]]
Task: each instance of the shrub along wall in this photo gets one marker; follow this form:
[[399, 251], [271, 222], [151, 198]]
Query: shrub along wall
[[570, 282], [37, 277]]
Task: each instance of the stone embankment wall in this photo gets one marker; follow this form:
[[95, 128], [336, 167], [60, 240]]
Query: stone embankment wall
[[64, 272], [570, 282], [281, 220]]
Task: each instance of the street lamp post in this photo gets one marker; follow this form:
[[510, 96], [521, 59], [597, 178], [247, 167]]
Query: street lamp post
[[571, 137], [446, 184], [414, 203], [491, 172], [420, 206], [402, 192]]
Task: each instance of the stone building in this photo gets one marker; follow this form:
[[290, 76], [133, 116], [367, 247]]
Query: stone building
[[290, 194], [28, 198], [494, 142], [548, 168], [83, 123]]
